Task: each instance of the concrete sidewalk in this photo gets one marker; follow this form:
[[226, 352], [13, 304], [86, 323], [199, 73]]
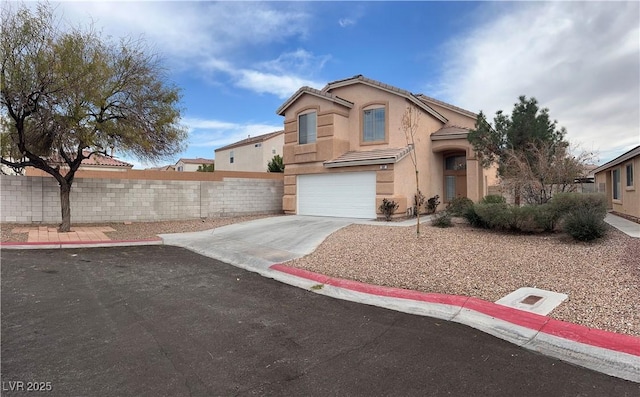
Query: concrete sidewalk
[[626, 226]]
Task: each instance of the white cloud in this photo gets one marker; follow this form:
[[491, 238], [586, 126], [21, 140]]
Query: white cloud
[[280, 76], [344, 22], [580, 60], [191, 30], [214, 38], [215, 133]]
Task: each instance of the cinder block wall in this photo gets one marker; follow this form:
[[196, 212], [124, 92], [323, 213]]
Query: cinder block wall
[[34, 199]]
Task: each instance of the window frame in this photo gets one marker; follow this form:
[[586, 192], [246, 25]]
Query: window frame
[[231, 157], [628, 171], [308, 138], [373, 106]]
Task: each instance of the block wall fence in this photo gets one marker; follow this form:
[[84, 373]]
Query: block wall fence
[[36, 199]]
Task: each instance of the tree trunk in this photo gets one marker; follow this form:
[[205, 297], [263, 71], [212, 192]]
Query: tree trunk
[[65, 205], [417, 199]]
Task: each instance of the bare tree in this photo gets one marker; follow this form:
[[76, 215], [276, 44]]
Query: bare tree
[[542, 170], [71, 94], [409, 125]]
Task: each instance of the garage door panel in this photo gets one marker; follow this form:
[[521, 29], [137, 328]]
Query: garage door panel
[[350, 194]]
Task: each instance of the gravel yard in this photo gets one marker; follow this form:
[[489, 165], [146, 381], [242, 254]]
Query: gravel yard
[[602, 278]]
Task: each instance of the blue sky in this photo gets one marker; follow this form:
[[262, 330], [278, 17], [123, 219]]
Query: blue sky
[[237, 62]]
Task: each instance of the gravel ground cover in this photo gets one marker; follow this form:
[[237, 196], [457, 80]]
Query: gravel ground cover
[[601, 278], [138, 230]]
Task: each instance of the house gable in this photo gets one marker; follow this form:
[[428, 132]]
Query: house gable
[[360, 79]]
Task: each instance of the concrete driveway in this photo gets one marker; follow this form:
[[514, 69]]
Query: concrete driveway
[[256, 245]]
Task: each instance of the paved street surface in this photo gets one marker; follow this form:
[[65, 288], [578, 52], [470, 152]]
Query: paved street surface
[[161, 320]]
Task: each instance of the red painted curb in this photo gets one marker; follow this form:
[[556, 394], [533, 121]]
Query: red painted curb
[[573, 332], [2, 244]]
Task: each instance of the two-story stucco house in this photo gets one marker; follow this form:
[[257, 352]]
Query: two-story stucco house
[[345, 150], [250, 154]]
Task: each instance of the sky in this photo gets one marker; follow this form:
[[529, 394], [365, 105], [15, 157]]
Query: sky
[[237, 62]]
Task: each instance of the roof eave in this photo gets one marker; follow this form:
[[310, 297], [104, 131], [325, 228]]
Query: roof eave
[[353, 163], [449, 137], [387, 88], [618, 160], [310, 91]]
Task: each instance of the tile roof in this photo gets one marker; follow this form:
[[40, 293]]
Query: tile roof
[[369, 157], [96, 160], [317, 93], [618, 160], [198, 161], [450, 132], [386, 87], [449, 106], [251, 140]]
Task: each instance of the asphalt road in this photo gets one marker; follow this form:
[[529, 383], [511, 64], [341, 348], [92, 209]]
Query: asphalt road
[[161, 320]]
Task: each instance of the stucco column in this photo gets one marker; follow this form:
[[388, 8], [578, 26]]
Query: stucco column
[[474, 179]]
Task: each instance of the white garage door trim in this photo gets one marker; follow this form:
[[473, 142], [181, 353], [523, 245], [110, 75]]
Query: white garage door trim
[[344, 195]]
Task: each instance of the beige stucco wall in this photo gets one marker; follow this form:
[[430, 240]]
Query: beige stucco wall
[[629, 202], [249, 157]]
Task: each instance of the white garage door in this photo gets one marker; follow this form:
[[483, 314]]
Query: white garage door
[[345, 195]]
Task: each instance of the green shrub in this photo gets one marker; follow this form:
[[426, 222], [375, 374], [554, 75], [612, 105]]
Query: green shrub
[[494, 215], [471, 216], [388, 208], [443, 219], [546, 216], [459, 205], [585, 224], [432, 204], [562, 204], [522, 218], [493, 199]]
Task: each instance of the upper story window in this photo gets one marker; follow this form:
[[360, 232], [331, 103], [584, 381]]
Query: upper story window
[[257, 145], [629, 169], [231, 157], [374, 125], [307, 128], [180, 168]]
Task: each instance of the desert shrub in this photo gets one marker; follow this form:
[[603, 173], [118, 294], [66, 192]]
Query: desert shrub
[[442, 219], [388, 208], [546, 216], [553, 213], [493, 199], [471, 216], [459, 205], [494, 215], [432, 204], [521, 218], [585, 224]]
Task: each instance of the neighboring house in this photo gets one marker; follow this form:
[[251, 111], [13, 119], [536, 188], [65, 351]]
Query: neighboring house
[[96, 162], [617, 179], [345, 150], [169, 167], [191, 165], [250, 154]]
